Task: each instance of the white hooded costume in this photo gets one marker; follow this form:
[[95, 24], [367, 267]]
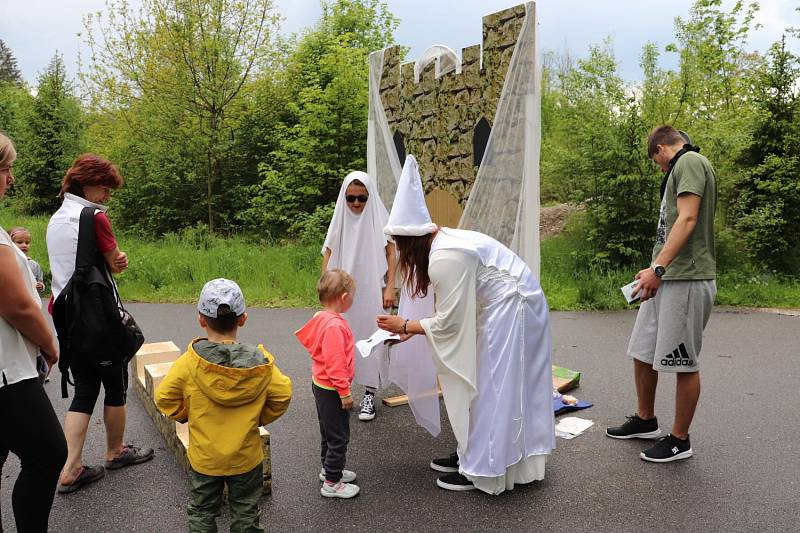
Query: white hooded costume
[[490, 340], [358, 246]]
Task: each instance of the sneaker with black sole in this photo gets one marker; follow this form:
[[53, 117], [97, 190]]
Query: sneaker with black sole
[[635, 428], [339, 490], [88, 475], [130, 455], [668, 449], [446, 464], [456, 482], [367, 407], [347, 475]]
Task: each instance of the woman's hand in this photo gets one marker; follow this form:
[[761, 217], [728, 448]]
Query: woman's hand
[[391, 323], [39, 286], [121, 261], [50, 354], [388, 297]]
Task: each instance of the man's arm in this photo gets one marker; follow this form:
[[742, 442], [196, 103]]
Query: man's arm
[[688, 206]]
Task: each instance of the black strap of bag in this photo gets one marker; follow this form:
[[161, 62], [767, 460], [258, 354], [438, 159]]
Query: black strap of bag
[[86, 256], [686, 148]]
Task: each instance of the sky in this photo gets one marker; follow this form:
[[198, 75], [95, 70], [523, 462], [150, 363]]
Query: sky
[[35, 29]]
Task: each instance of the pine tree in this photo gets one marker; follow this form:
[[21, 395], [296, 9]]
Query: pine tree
[[54, 139], [767, 202], [9, 72]]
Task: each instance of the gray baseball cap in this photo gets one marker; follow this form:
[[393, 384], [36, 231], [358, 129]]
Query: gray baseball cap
[[220, 291]]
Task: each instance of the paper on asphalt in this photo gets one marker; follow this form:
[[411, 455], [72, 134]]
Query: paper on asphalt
[[572, 426]]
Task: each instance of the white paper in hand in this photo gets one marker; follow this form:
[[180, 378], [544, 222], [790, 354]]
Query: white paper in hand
[[627, 290], [366, 346]]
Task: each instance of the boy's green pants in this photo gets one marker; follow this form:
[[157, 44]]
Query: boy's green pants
[[244, 491]]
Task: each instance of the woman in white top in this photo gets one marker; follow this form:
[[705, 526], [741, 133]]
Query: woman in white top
[[29, 426], [356, 244]]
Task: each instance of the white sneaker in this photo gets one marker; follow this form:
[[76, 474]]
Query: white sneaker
[[339, 490], [367, 407], [347, 475]]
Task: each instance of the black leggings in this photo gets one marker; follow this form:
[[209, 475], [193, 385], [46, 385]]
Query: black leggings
[[88, 376], [30, 430]]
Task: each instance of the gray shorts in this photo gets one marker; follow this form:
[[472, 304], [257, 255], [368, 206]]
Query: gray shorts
[[668, 333]]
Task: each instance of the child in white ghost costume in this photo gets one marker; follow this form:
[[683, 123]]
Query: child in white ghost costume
[[490, 340], [356, 244]]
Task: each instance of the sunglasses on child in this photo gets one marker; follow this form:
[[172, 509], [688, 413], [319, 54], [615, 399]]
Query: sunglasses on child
[[351, 198]]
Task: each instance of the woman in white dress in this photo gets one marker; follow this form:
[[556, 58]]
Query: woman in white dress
[[490, 338], [356, 244]]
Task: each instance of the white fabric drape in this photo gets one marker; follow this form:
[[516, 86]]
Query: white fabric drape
[[358, 246], [491, 339], [383, 163], [504, 200]]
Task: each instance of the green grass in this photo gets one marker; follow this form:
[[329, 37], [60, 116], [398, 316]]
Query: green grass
[[174, 269]]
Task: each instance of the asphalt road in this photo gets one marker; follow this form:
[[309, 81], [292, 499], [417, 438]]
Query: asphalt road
[[744, 476]]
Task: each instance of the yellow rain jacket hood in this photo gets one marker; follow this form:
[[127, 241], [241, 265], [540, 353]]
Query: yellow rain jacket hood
[[225, 391]]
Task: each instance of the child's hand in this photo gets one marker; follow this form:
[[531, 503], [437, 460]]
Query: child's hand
[[347, 403]]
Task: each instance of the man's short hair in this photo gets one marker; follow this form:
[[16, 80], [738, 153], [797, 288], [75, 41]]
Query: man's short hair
[[333, 283], [666, 135], [225, 321]]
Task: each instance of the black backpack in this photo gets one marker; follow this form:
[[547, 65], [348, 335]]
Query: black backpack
[[88, 315]]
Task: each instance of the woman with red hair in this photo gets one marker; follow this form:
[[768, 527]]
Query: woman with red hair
[[89, 182]]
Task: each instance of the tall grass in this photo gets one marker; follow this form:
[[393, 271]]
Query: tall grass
[[175, 267]]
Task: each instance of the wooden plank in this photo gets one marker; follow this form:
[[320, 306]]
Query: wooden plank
[[154, 352]]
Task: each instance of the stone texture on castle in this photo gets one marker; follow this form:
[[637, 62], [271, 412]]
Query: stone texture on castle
[[437, 116]]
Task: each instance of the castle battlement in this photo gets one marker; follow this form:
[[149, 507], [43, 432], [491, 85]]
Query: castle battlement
[[445, 121]]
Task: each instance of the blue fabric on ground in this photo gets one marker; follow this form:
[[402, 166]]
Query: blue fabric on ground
[[561, 407]]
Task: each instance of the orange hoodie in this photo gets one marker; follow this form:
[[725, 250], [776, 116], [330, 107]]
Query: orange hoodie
[[329, 341]]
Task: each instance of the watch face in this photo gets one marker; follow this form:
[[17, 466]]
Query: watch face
[[659, 270]]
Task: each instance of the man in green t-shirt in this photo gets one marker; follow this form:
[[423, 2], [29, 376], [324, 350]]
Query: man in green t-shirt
[[677, 293]]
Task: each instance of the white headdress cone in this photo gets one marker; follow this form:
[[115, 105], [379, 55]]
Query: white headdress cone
[[409, 216]]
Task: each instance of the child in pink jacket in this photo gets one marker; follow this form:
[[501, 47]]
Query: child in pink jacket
[[329, 341]]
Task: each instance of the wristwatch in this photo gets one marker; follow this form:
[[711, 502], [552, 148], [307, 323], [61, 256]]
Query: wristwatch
[[659, 270]]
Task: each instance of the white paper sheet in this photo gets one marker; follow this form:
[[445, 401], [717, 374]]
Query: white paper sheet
[[572, 426], [366, 346]]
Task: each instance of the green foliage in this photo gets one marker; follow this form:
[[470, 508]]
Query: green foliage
[[175, 72], [767, 200], [53, 139], [9, 71], [323, 135]]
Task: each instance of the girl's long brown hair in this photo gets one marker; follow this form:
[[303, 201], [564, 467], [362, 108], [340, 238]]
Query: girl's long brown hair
[[414, 252]]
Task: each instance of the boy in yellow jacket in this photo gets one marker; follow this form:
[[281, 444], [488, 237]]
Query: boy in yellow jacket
[[225, 390]]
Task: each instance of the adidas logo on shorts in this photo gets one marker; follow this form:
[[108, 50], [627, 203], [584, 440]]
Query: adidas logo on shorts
[[678, 357]]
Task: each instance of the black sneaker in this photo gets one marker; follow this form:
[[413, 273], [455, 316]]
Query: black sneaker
[[455, 482], [635, 428], [446, 464], [367, 407], [669, 448]]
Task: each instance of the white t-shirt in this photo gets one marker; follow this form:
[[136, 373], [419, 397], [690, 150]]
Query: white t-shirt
[[17, 353]]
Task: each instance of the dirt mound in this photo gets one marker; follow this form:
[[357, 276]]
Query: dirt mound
[[554, 218]]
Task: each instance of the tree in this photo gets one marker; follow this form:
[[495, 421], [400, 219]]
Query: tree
[[767, 197], [323, 134], [9, 72], [188, 60], [53, 139]]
